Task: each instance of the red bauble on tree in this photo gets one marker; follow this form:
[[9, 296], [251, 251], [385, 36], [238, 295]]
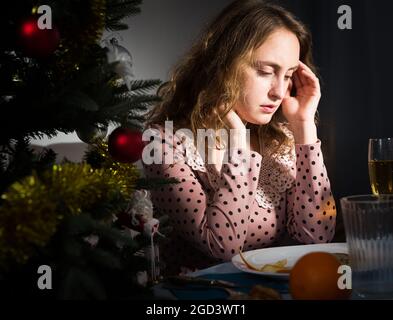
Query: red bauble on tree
[[125, 145], [36, 42]]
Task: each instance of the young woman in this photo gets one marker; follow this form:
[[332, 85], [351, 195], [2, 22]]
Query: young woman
[[250, 72]]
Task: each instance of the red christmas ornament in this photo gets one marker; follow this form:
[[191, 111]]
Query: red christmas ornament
[[36, 42], [125, 145]]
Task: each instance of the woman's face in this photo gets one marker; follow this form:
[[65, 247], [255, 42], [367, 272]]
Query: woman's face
[[266, 82]]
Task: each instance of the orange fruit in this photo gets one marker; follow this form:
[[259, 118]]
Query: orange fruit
[[315, 276]]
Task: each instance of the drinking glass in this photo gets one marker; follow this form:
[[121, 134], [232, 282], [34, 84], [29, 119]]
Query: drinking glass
[[380, 165], [368, 221]]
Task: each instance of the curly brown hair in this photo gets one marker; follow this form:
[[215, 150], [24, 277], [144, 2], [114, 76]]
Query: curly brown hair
[[210, 75]]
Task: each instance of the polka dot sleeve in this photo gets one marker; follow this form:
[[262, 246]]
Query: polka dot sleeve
[[216, 225], [311, 207]]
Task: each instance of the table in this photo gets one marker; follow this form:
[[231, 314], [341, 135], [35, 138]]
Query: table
[[223, 271]]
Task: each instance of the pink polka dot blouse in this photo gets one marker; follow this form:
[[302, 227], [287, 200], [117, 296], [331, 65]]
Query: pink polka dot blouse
[[251, 203]]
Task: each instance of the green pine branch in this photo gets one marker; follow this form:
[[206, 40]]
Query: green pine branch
[[67, 91], [19, 160], [144, 86], [130, 110], [103, 258], [154, 183], [118, 10], [116, 26], [81, 284], [107, 207], [137, 87]]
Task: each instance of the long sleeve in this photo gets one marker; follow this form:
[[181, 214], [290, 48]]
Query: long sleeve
[[217, 226], [310, 205]]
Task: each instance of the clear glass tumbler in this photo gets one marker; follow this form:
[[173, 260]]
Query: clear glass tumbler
[[368, 221]]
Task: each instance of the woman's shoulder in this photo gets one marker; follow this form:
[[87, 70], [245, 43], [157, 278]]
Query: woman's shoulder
[[169, 132], [179, 142], [178, 138]]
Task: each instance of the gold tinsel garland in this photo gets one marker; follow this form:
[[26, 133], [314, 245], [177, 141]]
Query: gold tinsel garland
[[122, 171], [33, 207], [28, 219]]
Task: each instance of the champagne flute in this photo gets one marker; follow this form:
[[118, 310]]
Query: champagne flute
[[380, 165]]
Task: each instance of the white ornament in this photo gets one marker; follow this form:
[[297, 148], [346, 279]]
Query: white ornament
[[119, 54]]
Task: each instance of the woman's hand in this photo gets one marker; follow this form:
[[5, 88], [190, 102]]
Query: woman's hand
[[233, 120], [238, 131], [302, 108]]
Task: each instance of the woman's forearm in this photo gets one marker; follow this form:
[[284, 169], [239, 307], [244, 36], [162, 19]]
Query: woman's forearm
[[304, 132]]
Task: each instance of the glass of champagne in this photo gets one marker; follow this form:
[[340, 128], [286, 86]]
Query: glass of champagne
[[380, 165]]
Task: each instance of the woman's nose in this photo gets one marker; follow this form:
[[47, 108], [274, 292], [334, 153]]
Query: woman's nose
[[277, 89]]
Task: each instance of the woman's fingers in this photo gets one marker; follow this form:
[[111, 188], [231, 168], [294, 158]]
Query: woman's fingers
[[310, 79], [296, 81], [304, 66], [307, 70], [307, 76]]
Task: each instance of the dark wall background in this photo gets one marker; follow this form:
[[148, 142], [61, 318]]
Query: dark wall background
[[356, 68]]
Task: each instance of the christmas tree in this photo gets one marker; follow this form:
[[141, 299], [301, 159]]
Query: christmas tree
[[57, 75]]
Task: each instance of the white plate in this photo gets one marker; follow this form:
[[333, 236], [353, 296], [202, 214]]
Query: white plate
[[261, 257]]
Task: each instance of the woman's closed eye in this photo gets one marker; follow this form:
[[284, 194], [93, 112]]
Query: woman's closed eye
[[264, 73]]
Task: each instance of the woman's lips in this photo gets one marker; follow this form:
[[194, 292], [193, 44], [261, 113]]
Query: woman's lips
[[268, 108]]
